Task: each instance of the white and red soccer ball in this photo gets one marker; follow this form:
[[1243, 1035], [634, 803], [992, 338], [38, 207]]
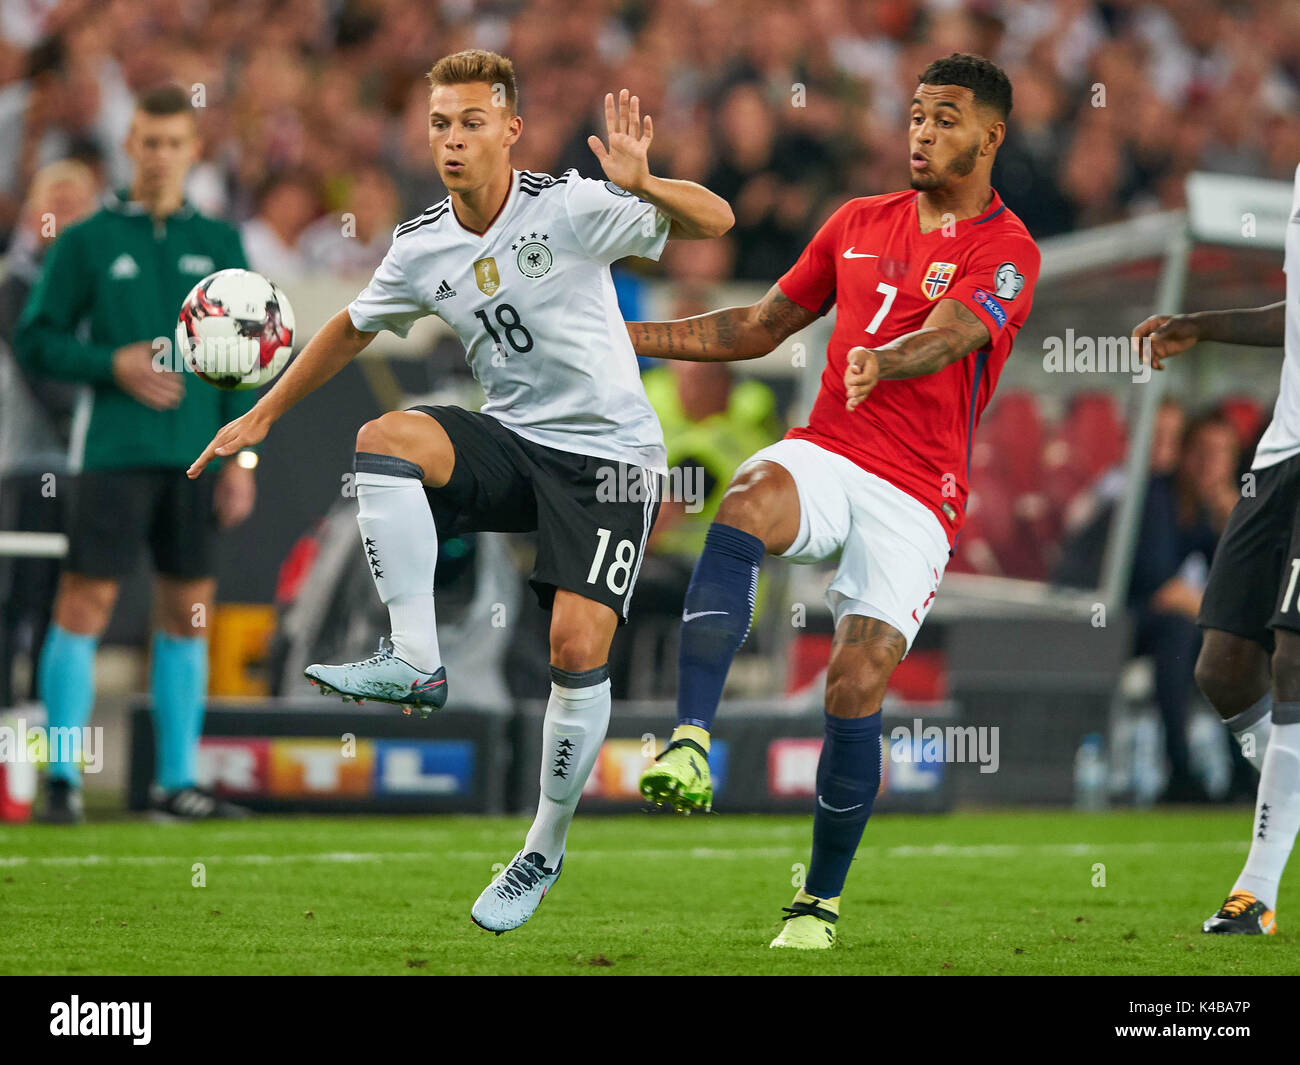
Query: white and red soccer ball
[[236, 329]]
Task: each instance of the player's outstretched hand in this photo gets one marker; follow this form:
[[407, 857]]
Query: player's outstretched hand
[[626, 161], [861, 375], [243, 432], [1170, 335]]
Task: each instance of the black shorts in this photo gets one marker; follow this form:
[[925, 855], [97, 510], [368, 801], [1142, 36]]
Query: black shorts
[[1254, 584], [115, 512], [593, 516]]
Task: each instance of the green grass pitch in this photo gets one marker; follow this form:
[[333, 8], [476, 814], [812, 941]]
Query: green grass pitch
[[968, 893]]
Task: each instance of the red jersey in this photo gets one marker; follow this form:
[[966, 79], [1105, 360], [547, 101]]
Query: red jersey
[[872, 261]]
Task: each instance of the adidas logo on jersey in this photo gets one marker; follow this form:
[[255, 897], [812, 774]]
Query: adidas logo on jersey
[[445, 292], [123, 268]]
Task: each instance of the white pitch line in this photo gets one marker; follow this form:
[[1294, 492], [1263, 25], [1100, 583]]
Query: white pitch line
[[937, 850]]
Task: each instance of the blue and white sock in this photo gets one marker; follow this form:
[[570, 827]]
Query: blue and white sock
[[67, 681], [178, 681], [716, 617], [848, 777]]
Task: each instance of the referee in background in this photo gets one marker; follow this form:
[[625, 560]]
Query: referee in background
[[109, 287]]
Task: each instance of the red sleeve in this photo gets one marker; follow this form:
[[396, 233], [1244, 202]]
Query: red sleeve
[[998, 283], [810, 282]]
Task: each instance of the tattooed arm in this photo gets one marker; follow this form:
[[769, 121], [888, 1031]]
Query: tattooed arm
[[951, 332], [723, 336]]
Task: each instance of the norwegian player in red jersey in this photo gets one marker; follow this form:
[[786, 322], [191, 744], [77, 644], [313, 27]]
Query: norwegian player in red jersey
[[931, 285]]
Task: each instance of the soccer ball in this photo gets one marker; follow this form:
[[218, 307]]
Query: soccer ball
[[235, 329]]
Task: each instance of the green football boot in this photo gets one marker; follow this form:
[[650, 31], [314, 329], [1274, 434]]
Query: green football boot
[[809, 923], [680, 776]]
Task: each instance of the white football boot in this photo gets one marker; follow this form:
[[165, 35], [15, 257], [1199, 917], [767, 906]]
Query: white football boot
[[515, 893], [385, 678]]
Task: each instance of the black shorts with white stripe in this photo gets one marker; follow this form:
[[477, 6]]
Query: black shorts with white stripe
[[593, 516], [1254, 584]]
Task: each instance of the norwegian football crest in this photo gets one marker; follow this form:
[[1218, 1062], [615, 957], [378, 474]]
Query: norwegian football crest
[[485, 274], [937, 279]]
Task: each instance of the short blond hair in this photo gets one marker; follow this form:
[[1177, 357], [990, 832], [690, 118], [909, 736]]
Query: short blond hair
[[477, 65]]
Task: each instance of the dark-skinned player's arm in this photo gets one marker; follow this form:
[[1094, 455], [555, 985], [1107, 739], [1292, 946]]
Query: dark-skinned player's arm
[[693, 211], [1172, 334], [336, 344], [728, 335], [951, 332]]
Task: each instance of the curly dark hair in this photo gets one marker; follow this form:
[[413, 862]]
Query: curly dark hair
[[986, 80]]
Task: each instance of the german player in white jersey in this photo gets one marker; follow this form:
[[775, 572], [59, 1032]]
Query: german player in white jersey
[[518, 265], [1249, 664]]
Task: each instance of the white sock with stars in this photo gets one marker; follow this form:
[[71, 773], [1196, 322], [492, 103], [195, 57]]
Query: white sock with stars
[[401, 545], [1277, 809], [576, 719]]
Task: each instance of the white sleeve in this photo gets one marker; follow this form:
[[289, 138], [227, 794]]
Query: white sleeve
[[611, 223], [388, 302]]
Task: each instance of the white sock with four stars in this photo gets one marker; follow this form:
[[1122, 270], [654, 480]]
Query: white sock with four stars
[[576, 719], [401, 545], [1277, 809]]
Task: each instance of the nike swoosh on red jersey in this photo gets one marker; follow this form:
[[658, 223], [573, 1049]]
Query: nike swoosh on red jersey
[[849, 254]]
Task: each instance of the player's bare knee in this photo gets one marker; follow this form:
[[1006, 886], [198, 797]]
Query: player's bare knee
[[381, 436], [84, 604], [184, 625], [184, 606], [865, 652], [1231, 672], [753, 504], [576, 649], [414, 437], [1211, 678], [856, 692]]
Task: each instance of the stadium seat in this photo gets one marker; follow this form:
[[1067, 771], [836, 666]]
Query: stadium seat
[[807, 657], [1247, 418]]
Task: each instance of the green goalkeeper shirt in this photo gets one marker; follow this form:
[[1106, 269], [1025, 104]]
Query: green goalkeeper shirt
[[116, 278]]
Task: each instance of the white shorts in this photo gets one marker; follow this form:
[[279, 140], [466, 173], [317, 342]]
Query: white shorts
[[892, 550]]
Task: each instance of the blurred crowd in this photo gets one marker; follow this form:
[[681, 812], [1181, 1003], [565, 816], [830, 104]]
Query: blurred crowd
[[314, 111], [1046, 488]]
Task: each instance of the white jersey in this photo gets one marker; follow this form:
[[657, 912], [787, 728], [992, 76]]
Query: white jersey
[[533, 303], [1281, 440]]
